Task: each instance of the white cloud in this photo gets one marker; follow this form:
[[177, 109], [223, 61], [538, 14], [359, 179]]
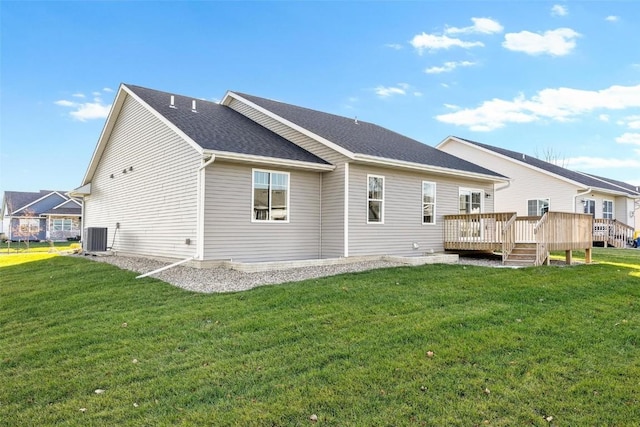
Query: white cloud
[[557, 42], [83, 111], [603, 117], [561, 104], [385, 92], [612, 18], [559, 10], [78, 95], [448, 67], [417, 93], [629, 138], [107, 89], [602, 163], [480, 25], [632, 122], [433, 42], [394, 46]]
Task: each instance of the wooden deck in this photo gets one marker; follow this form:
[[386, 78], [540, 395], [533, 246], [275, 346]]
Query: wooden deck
[[504, 232], [612, 232]]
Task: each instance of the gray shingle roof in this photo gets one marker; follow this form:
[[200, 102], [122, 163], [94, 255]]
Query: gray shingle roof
[[584, 179], [18, 199], [634, 190], [366, 138], [219, 128]]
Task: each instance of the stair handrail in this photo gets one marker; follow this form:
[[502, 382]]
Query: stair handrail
[[509, 237], [541, 231]]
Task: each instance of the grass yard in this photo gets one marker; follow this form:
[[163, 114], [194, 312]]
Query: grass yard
[[546, 346]]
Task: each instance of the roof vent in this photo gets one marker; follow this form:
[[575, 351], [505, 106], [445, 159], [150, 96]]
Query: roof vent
[[524, 157], [355, 120], [193, 106], [173, 102]]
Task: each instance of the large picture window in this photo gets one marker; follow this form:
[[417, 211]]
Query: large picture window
[[29, 225], [607, 209], [537, 207], [375, 199], [270, 196], [63, 224], [428, 202]]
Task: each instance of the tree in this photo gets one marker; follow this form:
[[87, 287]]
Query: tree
[[550, 155], [26, 228]]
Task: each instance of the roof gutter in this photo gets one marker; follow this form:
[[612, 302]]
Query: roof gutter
[[575, 197]]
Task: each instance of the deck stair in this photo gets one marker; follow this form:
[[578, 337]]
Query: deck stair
[[522, 255]]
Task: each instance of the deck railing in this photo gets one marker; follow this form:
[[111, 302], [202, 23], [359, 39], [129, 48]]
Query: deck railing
[[612, 232], [554, 231]]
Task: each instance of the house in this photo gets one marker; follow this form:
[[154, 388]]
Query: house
[[538, 186], [43, 215], [256, 180]]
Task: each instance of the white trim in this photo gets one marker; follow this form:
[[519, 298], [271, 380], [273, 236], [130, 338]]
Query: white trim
[[269, 208], [346, 209], [114, 113], [471, 190], [82, 191], [365, 158], [584, 206], [538, 199], [435, 202], [326, 142], [65, 202], [369, 176], [38, 200]]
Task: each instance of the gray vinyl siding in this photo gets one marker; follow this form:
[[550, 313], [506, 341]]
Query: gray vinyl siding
[[288, 133], [403, 211], [231, 235], [155, 203], [333, 213]]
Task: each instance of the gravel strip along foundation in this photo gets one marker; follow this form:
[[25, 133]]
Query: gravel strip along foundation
[[212, 280]]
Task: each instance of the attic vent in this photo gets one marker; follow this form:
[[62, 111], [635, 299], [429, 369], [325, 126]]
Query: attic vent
[[173, 102], [193, 106]]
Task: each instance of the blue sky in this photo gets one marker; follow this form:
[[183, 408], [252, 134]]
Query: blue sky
[[531, 76]]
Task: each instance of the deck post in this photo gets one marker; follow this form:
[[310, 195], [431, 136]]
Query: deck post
[[569, 257], [587, 255]]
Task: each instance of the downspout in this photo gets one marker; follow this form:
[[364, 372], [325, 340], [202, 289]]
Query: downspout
[[346, 210], [200, 207], [320, 225], [575, 198]]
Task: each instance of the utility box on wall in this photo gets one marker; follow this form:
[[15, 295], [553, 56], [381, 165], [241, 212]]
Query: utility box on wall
[[96, 239]]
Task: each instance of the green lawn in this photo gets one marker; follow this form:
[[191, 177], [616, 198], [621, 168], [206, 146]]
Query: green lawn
[[546, 346]]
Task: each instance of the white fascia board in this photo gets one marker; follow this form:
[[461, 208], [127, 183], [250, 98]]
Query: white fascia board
[[37, 200], [250, 158], [332, 145], [626, 191], [65, 202], [512, 160], [123, 92], [401, 164]]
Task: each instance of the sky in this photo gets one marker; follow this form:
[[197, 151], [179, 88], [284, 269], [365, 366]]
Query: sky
[[554, 80]]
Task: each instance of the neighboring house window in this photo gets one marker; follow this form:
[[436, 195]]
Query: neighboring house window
[[375, 199], [29, 225], [63, 224], [589, 206], [270, 196], [470, 201], [537, 207], [428, 202], [607, 209]]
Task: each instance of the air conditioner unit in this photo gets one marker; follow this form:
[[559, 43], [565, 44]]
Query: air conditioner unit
[[96, 239]]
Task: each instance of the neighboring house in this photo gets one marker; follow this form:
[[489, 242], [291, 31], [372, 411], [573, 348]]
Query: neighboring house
[[538, 186], [44, 215], [255, 180]]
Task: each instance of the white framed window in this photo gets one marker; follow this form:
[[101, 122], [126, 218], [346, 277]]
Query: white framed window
[[428, 202], [537, 207], [375, 199], [270, 201], [607, 209], [64, 224], [470, 201], [589, 206], [29, 225]]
